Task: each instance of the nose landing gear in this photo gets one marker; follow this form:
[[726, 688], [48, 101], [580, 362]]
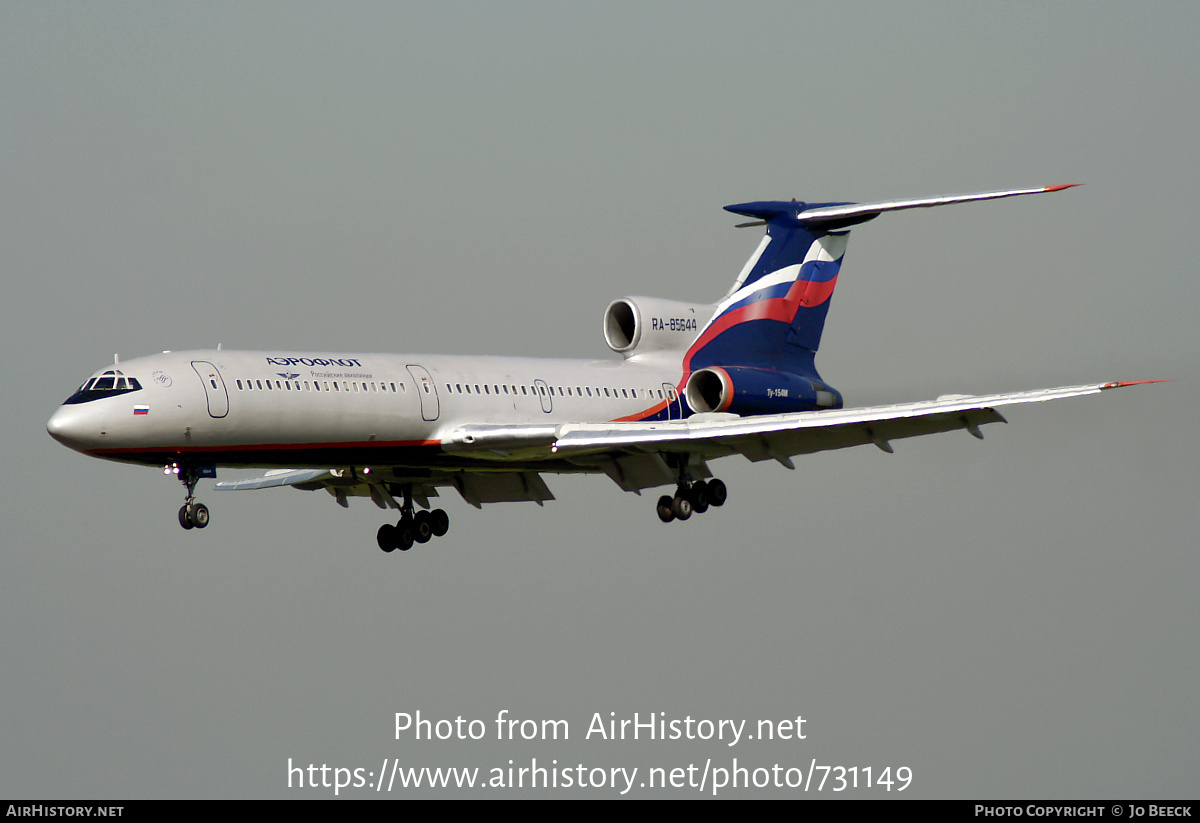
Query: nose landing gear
[[192, 515]]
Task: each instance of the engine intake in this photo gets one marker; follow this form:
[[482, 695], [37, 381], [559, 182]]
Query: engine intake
[[745, 390], [638, 325]]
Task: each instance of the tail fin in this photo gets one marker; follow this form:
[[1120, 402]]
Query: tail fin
[[773, 316]]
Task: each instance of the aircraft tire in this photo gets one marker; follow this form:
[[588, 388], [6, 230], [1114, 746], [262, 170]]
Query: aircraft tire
[[184, 519], [405, 534], [681, 506], [422, 528], [439, 521], [198, 514], [665, 511], [386, 537], [717, 493], [699, 497]]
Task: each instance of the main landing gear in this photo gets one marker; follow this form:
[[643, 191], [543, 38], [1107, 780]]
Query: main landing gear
[[420, 527], [691, 497], [192, 515]]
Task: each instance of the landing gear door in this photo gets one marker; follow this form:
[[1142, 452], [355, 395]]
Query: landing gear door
[[427, 391], [214, 388]]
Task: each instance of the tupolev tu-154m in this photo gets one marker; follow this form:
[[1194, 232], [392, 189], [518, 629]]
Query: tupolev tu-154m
[[695, 382]]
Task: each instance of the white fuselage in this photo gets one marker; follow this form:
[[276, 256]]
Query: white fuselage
[[239, 408]]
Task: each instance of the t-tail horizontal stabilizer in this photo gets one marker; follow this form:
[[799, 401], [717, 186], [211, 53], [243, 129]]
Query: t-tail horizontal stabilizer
[[849, 214]]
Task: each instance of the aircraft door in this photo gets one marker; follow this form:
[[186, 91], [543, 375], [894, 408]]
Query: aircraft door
[[544, 395], [427, 391], [673, 410], [214, 388]]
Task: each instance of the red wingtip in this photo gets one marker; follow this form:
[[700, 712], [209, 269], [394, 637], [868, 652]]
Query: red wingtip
[[1061, 187], [1121, 383]]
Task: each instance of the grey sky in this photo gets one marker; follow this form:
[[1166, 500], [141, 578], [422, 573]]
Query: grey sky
[[1012, 618]]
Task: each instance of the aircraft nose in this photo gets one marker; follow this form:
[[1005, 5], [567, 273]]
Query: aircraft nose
[[70, 425]]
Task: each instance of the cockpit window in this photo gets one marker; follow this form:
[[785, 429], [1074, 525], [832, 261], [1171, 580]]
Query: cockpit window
[[109, 384]]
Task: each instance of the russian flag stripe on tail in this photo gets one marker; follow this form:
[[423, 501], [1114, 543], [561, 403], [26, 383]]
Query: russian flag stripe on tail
[[772, 318], [775, 313]]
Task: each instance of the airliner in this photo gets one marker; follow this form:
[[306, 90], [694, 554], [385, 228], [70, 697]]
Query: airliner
[[694, 382]]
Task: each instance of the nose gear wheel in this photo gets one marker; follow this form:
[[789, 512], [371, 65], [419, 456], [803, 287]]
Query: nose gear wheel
[[192, 515]]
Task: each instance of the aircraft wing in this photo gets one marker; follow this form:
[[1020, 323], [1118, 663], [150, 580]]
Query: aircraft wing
[[501, 463], [631, 453], [771, 436]]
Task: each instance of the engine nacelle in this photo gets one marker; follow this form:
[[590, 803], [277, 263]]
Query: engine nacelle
[[637, 325], [743, 390]]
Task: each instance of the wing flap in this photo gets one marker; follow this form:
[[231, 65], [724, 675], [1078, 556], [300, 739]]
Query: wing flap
[[879, 433], [634, 472], [501, 487]]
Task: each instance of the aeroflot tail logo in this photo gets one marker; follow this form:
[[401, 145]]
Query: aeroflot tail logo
[[313, 361]]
